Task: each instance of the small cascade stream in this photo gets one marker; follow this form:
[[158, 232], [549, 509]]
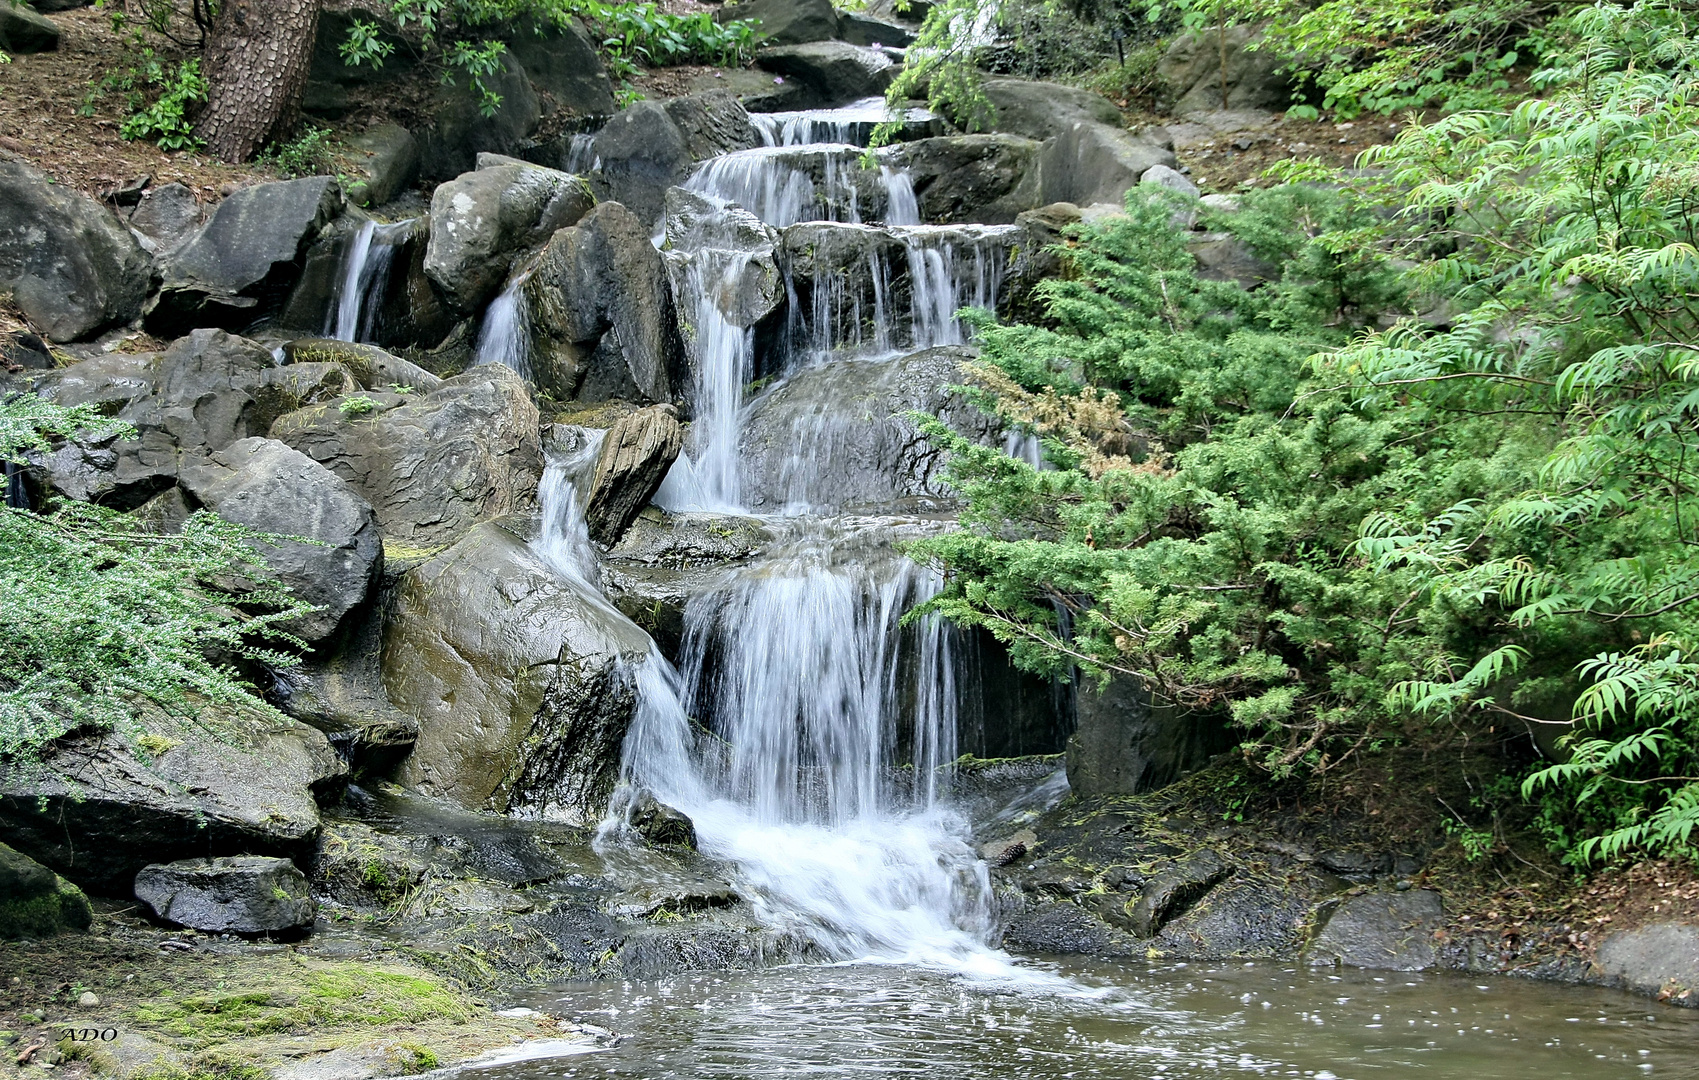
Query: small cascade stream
[[363, 277], [505, 336]]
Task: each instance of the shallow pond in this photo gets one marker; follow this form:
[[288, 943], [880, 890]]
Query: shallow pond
[[1074, 1019]]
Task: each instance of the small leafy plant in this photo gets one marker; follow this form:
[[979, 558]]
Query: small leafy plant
[[167, 120]]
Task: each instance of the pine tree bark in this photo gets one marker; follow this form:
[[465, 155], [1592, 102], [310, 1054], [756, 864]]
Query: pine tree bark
[[256, 71]]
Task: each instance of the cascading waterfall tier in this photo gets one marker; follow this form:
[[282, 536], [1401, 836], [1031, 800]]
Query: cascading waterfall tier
[[816, 765], [850, 124], [890, 290]]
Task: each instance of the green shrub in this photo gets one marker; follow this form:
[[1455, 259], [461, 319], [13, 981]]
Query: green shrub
[[97, 614]]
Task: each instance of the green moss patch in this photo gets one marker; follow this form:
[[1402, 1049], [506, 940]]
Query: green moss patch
[[332, 996]]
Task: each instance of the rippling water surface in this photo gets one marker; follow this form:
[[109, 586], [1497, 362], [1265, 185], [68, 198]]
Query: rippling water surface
[[1216, 1020]]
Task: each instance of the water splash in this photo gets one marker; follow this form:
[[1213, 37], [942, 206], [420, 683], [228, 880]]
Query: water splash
[[505, 337]]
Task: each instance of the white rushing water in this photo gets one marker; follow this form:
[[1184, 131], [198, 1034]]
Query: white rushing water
[[822, 781], [505, 337], [850, 124], [363, 277], [806, 731]]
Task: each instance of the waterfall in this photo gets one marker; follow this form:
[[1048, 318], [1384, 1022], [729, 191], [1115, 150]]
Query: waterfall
[[505, 337], [950, 269], [901, 207], [807, 731], [364, 274], [850, 124], [765, 182], [859, 307], [563, 540], [581, 154], [810, 687]]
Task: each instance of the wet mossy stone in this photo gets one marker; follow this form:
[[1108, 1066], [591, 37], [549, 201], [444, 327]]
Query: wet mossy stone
[[36, 902]]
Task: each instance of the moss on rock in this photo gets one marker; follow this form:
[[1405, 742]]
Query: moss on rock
[[36, 902]]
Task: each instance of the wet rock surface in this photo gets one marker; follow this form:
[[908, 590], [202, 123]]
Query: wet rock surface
[[432, 465], [635, 457], [650, 147], [1390, 930], [516, 677], [863, 448], [1661, 959], [240, 895]]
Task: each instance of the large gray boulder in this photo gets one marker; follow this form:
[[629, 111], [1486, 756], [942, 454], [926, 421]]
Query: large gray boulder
[[36, 902], [650, 146], [1192, 66], [431, 465], [634, 459], [1124, 744], [458, 131], [481, 219], [25, 31], [602, 316], [166, 217], [1660, 959], [566, 69], [833, 72], [838, 436], [1388, 930], [387, 159], [269, 487], [859, 28], [248, 894], [99, 809], [242, 264], [1043, 110], [1096, 163], [373, 367], [207, 391], [70, 265], [786, 22], [986, 179], [518, 677]]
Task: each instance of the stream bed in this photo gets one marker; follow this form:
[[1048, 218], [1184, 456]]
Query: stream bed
[[1091, 1019]]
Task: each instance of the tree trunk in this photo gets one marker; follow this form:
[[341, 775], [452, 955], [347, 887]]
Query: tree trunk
[[256, 70]]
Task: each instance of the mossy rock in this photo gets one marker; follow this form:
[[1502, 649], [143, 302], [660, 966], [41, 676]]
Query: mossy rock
[[36, 902]]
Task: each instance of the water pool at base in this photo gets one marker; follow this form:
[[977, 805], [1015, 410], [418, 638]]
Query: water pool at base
[[1118, 1021]]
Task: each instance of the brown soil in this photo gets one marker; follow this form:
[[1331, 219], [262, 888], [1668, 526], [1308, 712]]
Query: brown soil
[[1226, 156], [43, 99]]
